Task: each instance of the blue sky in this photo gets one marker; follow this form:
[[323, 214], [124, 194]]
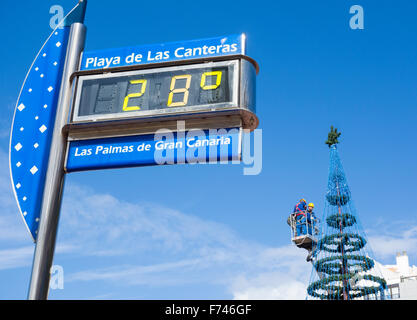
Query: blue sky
[[210, 232]]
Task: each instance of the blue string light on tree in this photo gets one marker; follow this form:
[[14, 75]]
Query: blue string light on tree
[[344, 268]]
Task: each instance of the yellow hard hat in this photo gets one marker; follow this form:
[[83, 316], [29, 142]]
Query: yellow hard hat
[[303, 200], [311, 204]]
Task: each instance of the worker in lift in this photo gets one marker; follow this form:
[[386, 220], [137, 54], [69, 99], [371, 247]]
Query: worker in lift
[[311, 218], [300, 216]]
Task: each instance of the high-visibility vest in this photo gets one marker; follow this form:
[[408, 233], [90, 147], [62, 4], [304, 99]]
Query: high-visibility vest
[[299, 211]]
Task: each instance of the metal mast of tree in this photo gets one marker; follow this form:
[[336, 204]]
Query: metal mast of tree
[[342, 268]]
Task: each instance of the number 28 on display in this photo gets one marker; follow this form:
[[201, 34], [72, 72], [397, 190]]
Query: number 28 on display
[[174, 89]]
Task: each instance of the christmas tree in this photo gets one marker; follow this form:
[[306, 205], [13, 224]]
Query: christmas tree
[[342, 267]]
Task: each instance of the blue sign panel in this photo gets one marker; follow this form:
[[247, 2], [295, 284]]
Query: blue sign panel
[[33, 126], [193, 146], [33, 122], [165, 52]]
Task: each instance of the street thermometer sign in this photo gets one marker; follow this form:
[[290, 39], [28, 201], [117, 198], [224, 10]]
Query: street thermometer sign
[[169, 103], [117, 109], [157, 91]]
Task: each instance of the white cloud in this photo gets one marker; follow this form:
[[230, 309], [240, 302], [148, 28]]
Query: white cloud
[[11, 227], [193, 250], [386, 246], [135, 275], [398, 235], [189, 249], [16, 257], [269, 286], [286, 278], [141, 243], [103, 223]]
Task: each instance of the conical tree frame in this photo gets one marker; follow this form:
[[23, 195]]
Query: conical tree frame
[[342, 263]]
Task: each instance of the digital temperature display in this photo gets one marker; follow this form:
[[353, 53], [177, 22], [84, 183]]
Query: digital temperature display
[[178, 89]]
